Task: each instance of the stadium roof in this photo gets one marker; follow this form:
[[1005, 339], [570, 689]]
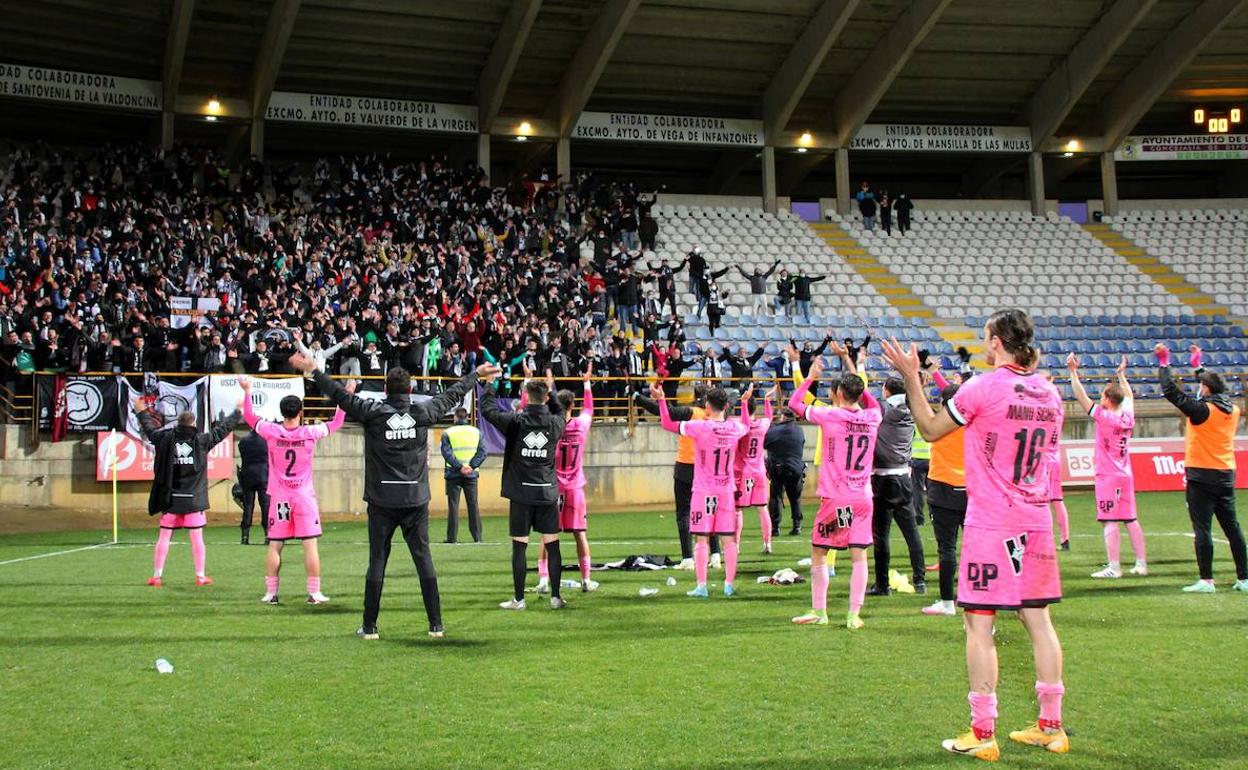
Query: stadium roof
[[1086, 68]]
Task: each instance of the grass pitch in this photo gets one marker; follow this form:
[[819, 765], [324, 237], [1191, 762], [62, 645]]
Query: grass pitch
[[1155, 678]]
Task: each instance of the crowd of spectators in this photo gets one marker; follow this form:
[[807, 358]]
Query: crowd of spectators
[[362, 262]]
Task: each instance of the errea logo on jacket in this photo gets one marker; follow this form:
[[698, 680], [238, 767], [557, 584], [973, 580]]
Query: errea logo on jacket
[[183, 454], [400, 426], [534, 444]]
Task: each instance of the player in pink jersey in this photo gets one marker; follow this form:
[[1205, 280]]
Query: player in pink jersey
[[1013, 417], [570, 474], [751, 470], [848, 432], [1114, 417], [293, 511], [713, 510]]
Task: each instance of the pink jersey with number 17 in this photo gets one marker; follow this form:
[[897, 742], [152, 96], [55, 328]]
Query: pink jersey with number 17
[[291, 451], [1013, 421], [570, 451]]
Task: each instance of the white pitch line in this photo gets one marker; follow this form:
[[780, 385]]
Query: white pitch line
[[55, 553]]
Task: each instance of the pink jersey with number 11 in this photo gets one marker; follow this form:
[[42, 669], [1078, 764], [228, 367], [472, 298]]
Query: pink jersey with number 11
[[570, 451], [1013, 421], [291, 451]]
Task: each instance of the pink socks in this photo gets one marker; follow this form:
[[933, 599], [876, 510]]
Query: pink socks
[[314, 585], [1050, 697], [764, 522], [1063, 519], [731, 547], [1137, 540], [584, 562], [984, 713], [1112, 543], [819, 587], [270, 584], [199, 554], [857, 585], [162, 551], [701, 560], [543, 568]]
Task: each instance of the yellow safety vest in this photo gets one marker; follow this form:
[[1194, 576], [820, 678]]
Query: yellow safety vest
[[464, 442], [920, 448]]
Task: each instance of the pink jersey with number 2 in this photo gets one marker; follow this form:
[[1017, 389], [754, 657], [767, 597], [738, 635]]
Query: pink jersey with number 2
[[291, 451], [1013, 422], [1113, 440]]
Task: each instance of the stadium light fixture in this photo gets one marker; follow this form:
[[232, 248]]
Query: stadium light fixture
[[210, 118], [214, 106], [1073, 146], [1068, 155], [523, 131], [806, 140]]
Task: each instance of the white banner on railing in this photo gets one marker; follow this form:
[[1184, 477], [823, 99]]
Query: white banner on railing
[[1183, 147], [53, 85], [669, 129], [912, 137], [371, 112], [224, 394]]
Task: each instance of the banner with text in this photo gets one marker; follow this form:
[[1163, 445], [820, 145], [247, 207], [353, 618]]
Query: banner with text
[[1157, 463], [165, 401], [53, 85], [669, 129], [136, 459], [1183, 147], [90, 402], [910, 137], [266, 394], [184, 311], [371, 112]]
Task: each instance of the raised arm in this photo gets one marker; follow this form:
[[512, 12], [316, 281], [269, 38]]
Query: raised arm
[[249, 414], [931, 425], [587, 400], [223, 428], [336, 421], [1194, 409], [665, 418], [440, 404], [1081, 393], [746, 420], [1128, 398], [147, 423], [492, 412]]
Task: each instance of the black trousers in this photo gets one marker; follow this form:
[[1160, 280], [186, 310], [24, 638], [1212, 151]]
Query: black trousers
[[469, 487], [785, 483], [250, 494], [903, 221], [683, 491], [1204, 502], [918, 487], [946, 523], [382, 522], [892, 501]]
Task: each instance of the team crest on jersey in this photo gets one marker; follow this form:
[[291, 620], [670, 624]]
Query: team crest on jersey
[[400, 425], [1015, 548], [283, 510]]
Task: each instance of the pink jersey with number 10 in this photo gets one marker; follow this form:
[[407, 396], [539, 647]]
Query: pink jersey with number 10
[[291, 451], [1013, 421], [570, 451]]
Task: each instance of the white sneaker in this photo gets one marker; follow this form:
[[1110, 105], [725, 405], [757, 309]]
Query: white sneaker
[[512, 604], [767, 548], [318, 598], [716, 561], [804, 562], [589, 586], [557, 603], [940, 608], [685, 564], [1140, 569], [542, 587], [1108, 572], [268, 599]]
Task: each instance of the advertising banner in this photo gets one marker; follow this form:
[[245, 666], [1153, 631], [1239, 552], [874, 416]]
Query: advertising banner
[[136, 458], [669, 129], [911, 137], [1156, 462], [1183, 147], [266, 394], [53, 85], [371, 112]]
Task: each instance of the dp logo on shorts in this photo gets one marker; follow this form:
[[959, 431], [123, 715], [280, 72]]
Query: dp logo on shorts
[[980, 574]]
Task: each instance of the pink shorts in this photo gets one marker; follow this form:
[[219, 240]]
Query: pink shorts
[[751, 490], [1115, 498], [572, 510], [842, 524], [713, 513], [296, 518], [1008, 569], [196, 520]]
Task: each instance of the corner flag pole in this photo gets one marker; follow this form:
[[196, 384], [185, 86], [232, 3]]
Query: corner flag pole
[[113, 443]]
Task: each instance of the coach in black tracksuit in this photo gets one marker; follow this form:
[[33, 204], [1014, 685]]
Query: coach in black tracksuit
[[785, 442], [253, 480], [396, 477], [181, 487], [890, 487], [529, 480]]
